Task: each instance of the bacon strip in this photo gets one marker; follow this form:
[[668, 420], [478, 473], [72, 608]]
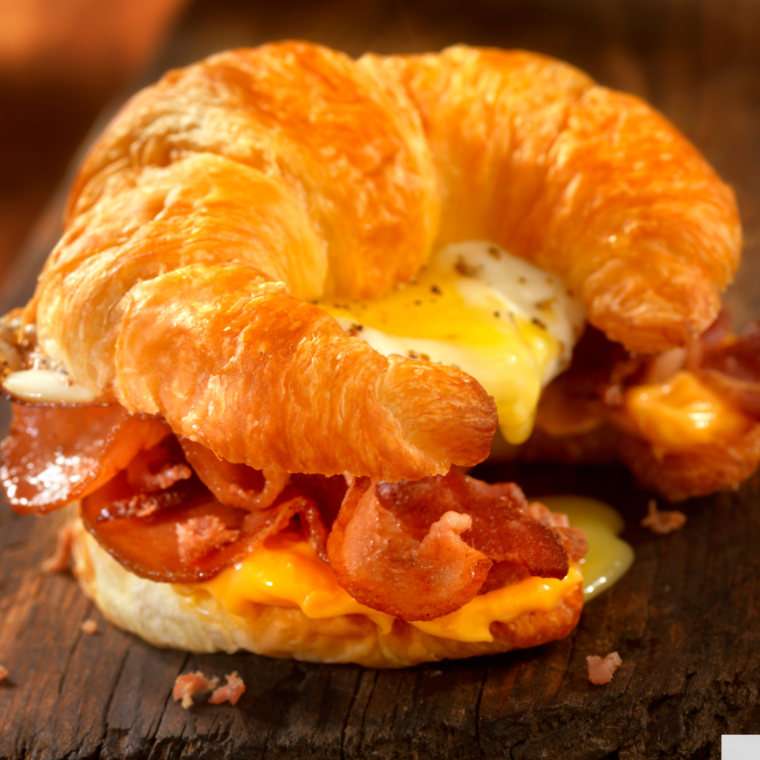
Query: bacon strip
[[55, 455], [191, 536], [501, 527], [381, 565], [235, 484], [421, 550], [415, 550], [158, 468]]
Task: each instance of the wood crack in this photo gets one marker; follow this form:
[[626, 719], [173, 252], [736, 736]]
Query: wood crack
[[344, 728]]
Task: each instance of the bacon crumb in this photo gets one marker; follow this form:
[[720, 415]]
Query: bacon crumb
[[89, 626], [663, 522], [601, 669], [230, 692], [3, 673], [199, 535], [59, 561], [191, 683]]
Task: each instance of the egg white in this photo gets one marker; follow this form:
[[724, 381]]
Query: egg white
[[502, 320]]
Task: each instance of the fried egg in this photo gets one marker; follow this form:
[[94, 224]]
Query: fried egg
[[474, 306]]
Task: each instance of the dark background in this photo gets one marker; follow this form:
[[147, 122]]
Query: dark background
[[686, 618]]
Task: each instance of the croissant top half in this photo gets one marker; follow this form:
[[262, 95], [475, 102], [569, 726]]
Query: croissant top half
[[226, 197]]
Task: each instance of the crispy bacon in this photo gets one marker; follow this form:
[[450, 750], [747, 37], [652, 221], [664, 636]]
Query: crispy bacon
[[55, 455], [230, 692], [198, 536], [421, 550], [377, 560], [415, 550], [185, 686], [501, 528], [235, 484], [158, 468], [601, 669], [152, 547], [573, 539]]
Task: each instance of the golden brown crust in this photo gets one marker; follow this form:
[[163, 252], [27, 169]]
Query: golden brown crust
[[164, 617], [312, 382], [584, 181], [292, 164], [229, 358], [346, 148]]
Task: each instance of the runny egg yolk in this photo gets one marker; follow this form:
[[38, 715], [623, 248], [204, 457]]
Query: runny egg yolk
[[475, 307]]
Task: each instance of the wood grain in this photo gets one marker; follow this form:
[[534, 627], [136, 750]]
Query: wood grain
[[685, 618]]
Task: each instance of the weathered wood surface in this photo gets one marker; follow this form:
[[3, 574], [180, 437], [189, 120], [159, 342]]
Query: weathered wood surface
[[685, 619]]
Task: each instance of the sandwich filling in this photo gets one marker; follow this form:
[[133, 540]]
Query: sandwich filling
[[448, 554], [169, 510]]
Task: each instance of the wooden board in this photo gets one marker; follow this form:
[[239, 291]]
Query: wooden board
[[685, 618]]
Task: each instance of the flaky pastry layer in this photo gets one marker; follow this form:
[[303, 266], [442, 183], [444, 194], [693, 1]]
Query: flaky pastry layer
[[226, 197]]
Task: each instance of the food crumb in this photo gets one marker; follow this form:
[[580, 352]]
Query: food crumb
[[601, 669], [663, 522], [3, 672], [230, 692], [198, 536], [191, 683], [59, 560], [89, 626]]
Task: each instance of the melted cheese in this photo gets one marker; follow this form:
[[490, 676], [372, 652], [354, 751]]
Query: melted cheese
[[503, 321], [286, 571], [681, 413], [473, 621]]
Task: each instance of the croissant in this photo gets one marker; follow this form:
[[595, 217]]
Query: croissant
[[227, 410], [229, 195]]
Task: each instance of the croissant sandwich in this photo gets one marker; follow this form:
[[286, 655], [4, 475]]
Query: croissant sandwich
[[297, 294]]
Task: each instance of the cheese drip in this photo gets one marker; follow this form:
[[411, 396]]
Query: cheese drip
[[287, 572], [681, 413], [503, 321]]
